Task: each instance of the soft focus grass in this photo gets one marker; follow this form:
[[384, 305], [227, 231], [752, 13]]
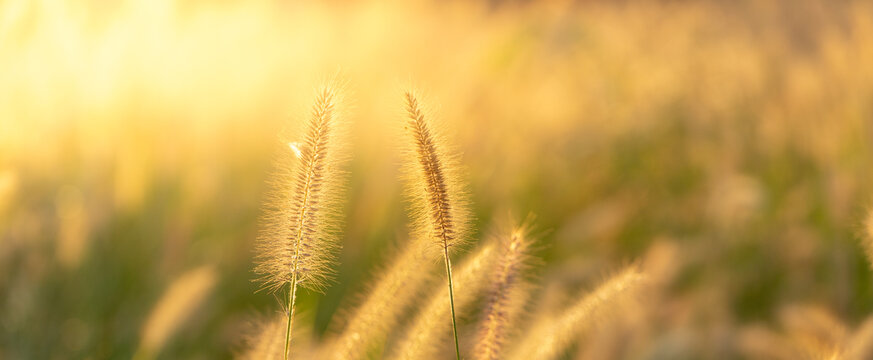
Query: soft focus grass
[[136, 139]]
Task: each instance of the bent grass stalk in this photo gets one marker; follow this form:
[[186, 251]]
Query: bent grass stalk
[[452, 305], [442, 216], [424, 337], [299, 249]]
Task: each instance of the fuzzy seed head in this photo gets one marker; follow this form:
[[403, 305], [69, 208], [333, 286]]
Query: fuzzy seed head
[[303, 222], [439, 210]]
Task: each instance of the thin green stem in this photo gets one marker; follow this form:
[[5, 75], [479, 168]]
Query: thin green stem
[[292, 292], [452, 303], [292, 297]]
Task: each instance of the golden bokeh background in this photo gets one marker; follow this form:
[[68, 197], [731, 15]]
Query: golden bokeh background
[[733, 137]]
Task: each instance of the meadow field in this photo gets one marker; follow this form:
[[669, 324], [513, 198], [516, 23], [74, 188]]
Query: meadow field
[[607, 179]]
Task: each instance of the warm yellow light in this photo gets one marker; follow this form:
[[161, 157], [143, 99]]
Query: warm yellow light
[[296, 147]]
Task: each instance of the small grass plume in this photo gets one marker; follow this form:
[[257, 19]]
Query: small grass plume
[[266, 342], [390, 295], [264, 338], [299, 247], [552, 337], [506, 279], [439, 213], [423, 339], [180, 299]]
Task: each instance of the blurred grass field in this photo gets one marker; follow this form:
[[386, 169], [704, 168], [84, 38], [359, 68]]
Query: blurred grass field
[[136, 141]]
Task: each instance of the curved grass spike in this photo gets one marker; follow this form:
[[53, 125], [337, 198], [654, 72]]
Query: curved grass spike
[[441, 217], [299, 249], [395, 290], [424, 338], [553, 336], [499, 309], [182, 297]]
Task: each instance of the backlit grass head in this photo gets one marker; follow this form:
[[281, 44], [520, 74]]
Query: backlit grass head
[[299, 246], [439, 206], [506, 291], [303, 218]]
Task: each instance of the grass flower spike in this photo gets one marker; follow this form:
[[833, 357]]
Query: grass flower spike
[[298, 249], [439, 213], [500, 302]]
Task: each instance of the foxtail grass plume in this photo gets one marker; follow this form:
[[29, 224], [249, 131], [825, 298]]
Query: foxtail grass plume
[[438, 198], [267, 343], [551, 338], [179, 301], [299, 246], [506, 280], [426, 334], [390, 296], [439, 212]]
